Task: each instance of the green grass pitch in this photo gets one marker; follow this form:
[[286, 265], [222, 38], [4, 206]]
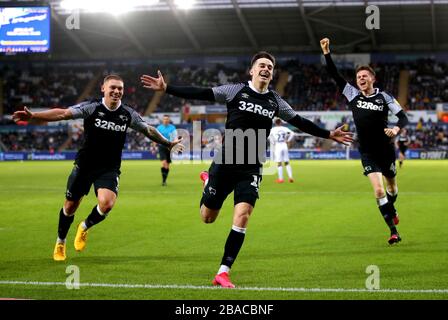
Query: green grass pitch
[[320, 232]]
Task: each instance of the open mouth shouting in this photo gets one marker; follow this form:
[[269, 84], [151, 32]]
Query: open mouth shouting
[[264, 75], [362, 84]]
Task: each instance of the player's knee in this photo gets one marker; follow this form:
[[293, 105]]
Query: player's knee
[[208, 219], [70, 207], [106, 205], [379, 192], [392, 189], [207, 216]]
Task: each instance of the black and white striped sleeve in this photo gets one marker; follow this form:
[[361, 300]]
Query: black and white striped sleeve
[[227, 92], [392, 103], [83, 109], [285, 111], [350, 92], [137, 122], [396, 109]]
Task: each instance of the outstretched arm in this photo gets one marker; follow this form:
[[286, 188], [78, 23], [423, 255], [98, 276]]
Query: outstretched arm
[[286, 113], [159, 84], [153, 134], [48, 115], [331, 67], [311, 128], [140, 125]]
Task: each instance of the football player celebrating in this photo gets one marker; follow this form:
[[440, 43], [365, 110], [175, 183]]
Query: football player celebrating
[[99, 159], [251, 106], [370, 108]]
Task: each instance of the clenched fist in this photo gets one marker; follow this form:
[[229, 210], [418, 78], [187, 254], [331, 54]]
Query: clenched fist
[[325, 45]]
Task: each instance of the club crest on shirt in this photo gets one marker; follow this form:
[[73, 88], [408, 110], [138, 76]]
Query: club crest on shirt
[[273, 103], [378, 100], [123, 118]]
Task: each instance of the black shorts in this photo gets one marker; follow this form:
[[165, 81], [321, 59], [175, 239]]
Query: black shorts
[[80, 181], [379, 162], [223, 179], [164, 153], [403, 149]]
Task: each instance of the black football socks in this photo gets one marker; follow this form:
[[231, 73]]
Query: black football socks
[[164, 174], [65, 221], [233, 245], [388, 212], [392, 198], [94, 217]]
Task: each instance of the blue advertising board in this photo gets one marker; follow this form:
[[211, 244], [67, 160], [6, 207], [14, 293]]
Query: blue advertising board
[[146, 155], [24, 29]]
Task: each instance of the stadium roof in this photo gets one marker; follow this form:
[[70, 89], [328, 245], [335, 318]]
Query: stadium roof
[[209, 27]]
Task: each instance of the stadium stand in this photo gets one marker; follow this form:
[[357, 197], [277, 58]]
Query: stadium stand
[[306, 86], [428, 84]]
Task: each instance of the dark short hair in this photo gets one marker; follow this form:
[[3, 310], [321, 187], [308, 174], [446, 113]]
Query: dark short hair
[[112, 77], [278, 121], [262, 54], [165, 115], [367, 68]]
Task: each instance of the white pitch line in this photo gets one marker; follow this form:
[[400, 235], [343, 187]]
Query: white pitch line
[[192, 287]]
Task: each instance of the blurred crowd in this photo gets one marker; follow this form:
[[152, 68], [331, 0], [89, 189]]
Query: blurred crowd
[[428, 135], [309, 87], [43, 87], [33, 141], [428, 84]]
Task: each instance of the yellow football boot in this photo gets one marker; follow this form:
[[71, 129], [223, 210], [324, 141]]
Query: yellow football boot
[[59, 252], [80, 238]]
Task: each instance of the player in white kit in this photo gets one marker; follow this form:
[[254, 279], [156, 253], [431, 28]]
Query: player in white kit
[[279, 138]]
